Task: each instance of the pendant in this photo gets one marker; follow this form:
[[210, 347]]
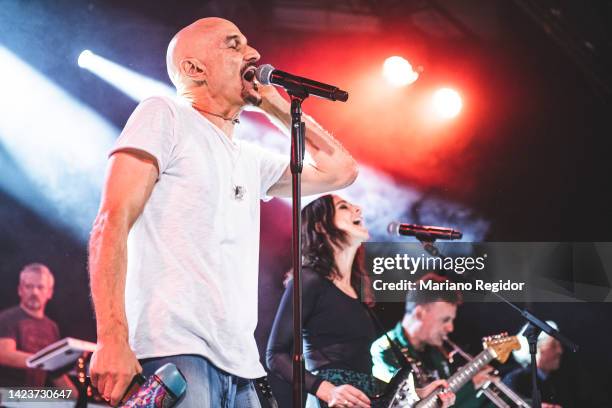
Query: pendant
[[239, 192]]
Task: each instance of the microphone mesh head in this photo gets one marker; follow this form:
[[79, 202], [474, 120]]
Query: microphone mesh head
[[393, 228], [263, 72]]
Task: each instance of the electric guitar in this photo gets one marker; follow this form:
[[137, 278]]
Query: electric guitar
[[399, 392]]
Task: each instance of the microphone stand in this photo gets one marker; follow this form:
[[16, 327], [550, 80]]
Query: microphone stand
[[534, 325], [298, 131]]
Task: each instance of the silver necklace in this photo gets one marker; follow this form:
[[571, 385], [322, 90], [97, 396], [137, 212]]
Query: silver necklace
[[238, 191]]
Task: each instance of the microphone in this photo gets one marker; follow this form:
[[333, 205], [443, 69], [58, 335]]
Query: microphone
[[268, 75], [161, 390], [423, 232]]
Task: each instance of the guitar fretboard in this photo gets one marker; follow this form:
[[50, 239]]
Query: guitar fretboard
[[461, 377], [465, 374]]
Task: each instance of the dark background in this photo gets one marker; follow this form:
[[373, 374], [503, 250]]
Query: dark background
[[528, 152]]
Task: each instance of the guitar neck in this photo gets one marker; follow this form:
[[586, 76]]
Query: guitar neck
[[460, 378], [467, 372]]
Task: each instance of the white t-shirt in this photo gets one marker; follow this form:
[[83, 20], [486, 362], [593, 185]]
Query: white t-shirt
[[193, 253]]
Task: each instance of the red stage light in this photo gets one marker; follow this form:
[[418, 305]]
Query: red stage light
[[447, 102]]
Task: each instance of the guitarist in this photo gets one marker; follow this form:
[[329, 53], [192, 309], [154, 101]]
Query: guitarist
[[428, 320]]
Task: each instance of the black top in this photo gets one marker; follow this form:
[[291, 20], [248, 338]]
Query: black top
[[337, 330], [555, 389], [569, 386], [31, 335]]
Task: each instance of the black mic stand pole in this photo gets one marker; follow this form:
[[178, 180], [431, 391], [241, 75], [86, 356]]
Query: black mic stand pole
[[298, 131], [534, 325], [532, 333]]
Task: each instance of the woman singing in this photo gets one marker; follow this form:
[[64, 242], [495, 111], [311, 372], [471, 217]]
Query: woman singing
[[338, 330]]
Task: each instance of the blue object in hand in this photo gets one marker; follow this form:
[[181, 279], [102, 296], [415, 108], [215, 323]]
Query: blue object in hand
[[161, 390]]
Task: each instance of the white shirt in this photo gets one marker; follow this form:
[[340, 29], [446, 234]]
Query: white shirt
[[193, 253]]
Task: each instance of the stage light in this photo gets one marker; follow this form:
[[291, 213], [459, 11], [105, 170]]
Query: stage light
[[85, 58], [398, 71], [133, 84], [55, 147], [447, 102]]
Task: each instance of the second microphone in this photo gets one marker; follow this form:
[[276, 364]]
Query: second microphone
[[423, 232]]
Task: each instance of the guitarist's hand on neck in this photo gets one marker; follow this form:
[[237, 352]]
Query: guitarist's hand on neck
[[482, 377], [446, 398]]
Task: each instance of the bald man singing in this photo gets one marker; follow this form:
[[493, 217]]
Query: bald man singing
[[174, 248]]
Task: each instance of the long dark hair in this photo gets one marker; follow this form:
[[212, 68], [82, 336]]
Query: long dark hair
[[320, 235]]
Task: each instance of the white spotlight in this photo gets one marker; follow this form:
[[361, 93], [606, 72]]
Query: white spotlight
[[85, 58], [62, 152], [133, 84], [447, 102], [398, 71]]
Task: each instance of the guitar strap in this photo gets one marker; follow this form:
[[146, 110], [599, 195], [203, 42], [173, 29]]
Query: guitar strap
[[395, 348], [264, 393]]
